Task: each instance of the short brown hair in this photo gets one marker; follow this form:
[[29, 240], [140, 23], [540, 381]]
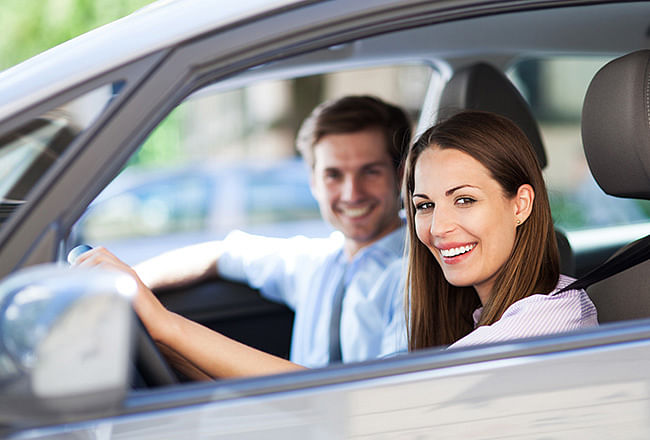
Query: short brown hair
[[352, 114], [439, 313]]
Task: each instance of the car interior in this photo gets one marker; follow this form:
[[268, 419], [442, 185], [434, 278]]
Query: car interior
[[619, 94], [616, 93], [239, 312]]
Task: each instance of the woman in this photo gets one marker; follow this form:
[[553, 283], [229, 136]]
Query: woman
[[483, 262], [481, 234]]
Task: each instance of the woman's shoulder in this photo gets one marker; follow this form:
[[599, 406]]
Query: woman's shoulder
[[564, 281], [539, 314], [572, 307]]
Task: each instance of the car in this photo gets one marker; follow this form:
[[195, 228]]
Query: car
[[73, 362]]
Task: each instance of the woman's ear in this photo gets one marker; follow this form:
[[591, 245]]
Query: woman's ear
[[523, 203]]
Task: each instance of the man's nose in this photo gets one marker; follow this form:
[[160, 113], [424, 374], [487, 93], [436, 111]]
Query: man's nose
[[352, 189]]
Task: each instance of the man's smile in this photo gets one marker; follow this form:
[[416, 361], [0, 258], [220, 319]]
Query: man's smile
[[356, 212]]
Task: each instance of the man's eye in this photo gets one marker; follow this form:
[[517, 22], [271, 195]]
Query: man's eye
[[465, 201], [332, 175]]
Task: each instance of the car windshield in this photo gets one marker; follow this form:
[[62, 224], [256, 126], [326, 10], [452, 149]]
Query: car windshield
[[29, 151]]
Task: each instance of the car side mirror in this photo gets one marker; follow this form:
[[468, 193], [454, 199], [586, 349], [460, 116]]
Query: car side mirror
[[65, 342]]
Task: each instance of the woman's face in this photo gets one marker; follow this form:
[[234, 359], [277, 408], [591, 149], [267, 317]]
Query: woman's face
[[464, 218]]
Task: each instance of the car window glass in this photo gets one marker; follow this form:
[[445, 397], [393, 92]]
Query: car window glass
[[227, 159], [555, 89], [29, 151]]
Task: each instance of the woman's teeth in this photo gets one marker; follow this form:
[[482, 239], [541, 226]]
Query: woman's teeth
[[453, 252]]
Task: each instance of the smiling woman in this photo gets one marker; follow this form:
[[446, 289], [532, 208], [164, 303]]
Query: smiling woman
[[483, 264]]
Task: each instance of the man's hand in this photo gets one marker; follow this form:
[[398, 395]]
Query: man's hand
[[151, 311]]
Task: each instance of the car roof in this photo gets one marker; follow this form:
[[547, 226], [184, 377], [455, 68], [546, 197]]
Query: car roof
[[160, 25], [167, 23]]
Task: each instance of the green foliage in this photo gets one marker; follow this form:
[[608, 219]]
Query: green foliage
[[32, 26], [163, 146], [566, 213]]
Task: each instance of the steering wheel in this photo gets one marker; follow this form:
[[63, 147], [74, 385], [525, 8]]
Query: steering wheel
[[151, 368], [150, 364]]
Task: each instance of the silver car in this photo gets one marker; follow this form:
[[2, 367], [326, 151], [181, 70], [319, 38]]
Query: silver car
[[208, 80]]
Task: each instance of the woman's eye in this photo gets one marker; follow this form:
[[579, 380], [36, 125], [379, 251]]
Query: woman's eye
[[465, 201], [424, 206]]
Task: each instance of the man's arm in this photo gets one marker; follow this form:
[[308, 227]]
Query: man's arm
[[181, 266]]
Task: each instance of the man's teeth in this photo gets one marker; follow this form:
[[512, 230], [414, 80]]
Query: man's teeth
[[456, 251], [356, 212]]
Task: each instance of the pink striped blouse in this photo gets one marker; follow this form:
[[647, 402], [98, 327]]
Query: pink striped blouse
[[536, 315]]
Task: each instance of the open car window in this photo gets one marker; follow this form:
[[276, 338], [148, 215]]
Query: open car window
[[226, 159]]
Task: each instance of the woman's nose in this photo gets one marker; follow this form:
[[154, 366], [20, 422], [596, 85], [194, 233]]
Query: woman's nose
[[441, 222]]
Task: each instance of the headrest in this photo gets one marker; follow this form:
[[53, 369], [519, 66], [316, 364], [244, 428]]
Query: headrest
[[483, 87], [616, 126]]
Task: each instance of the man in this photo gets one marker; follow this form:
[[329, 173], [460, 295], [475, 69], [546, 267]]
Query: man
[[354, 147]]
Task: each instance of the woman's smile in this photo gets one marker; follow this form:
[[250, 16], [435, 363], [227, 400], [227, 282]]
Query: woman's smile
[[454, 253]]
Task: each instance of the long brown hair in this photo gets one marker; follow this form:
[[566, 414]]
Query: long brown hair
[[439, 313]]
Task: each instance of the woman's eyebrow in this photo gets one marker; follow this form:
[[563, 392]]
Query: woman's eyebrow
[[456, 188], [422, 196]]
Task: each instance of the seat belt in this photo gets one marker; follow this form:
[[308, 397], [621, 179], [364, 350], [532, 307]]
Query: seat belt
[[636, 253]]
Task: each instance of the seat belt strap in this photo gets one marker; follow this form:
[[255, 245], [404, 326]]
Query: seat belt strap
[[636, 253]]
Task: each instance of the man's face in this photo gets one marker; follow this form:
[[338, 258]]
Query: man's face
[[356, 186]]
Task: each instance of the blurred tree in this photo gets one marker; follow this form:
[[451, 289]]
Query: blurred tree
[[32, 26]]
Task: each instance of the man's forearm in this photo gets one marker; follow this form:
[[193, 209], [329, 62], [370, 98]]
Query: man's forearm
[[181, 266]]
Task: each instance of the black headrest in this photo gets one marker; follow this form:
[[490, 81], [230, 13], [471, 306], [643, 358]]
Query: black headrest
[[483, 87], [616, 126]]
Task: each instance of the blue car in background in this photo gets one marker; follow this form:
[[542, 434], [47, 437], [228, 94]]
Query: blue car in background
[[143, 213]]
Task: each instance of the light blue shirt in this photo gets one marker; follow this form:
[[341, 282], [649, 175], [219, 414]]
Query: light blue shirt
[[304, 274]]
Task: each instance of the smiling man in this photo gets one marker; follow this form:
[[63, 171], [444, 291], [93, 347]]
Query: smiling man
[[354, 147]]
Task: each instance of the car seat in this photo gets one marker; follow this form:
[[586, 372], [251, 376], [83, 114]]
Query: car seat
[[616, 141], [483, 87]]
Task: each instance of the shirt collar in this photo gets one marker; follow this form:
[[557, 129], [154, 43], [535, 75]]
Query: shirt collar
[[392, 243], [477, 315]]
